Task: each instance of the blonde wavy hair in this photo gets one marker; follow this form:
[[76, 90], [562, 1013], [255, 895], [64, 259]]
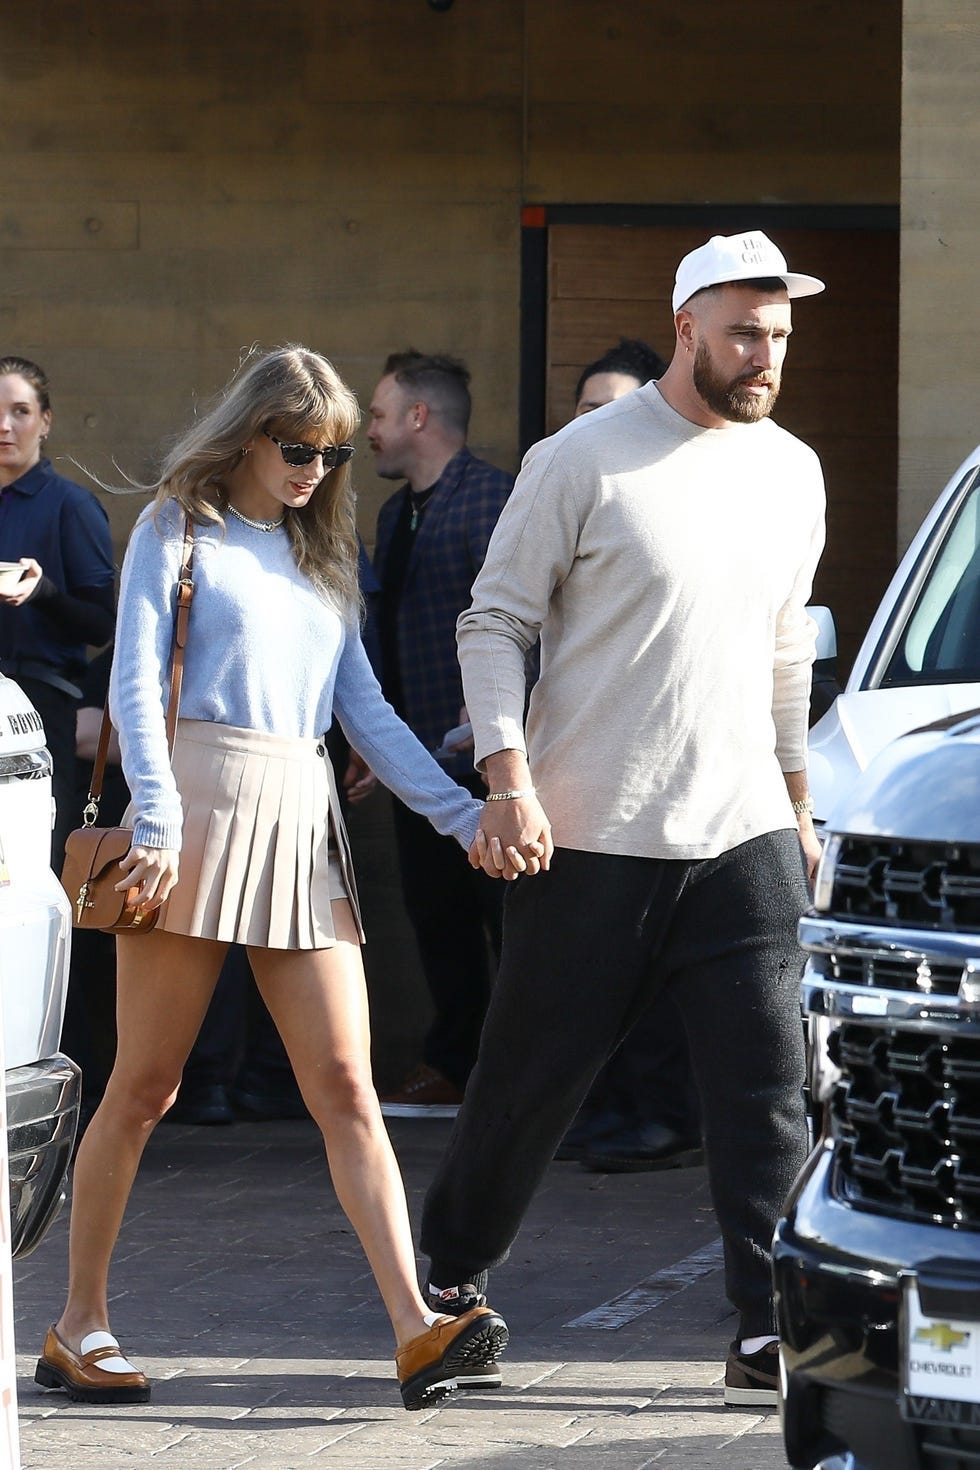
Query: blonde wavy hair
[[299, 396]]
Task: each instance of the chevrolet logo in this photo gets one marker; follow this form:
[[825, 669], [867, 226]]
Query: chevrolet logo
[[942, 1336], [923, 976]]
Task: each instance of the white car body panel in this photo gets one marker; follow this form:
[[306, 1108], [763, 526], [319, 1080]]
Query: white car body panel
[[866, 717], [42, 1087], [35, 916]]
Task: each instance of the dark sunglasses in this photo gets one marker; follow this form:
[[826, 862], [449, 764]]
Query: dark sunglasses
[[303, 454]]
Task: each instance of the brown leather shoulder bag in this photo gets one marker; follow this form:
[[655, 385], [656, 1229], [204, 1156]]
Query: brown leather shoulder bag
[[92, 853]]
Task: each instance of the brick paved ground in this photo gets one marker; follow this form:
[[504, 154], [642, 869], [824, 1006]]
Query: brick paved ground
[[239, 1286]]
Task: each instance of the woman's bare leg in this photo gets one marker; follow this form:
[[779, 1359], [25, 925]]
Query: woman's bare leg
[[318, 1000], [164, 985]]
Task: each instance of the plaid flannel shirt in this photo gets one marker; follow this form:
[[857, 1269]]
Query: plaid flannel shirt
[[448, 551]]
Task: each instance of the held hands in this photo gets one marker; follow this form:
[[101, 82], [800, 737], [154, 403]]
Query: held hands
[[27, 585], [514, 838], [154, 870]]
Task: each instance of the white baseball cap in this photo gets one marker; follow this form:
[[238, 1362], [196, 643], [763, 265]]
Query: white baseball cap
[[727, 258]]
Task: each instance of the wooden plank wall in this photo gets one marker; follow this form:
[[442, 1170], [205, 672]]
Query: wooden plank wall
[[702, 102], [939, 404], [183, 179]]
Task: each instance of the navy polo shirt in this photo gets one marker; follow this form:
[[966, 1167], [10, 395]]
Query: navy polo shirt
[[64, 528]]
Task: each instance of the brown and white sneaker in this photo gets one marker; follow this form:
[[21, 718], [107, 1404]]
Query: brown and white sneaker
[[430, 1365], [97, 1374], [425, 1094], [752, 1379]]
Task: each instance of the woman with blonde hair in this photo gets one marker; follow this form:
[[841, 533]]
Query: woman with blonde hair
[[240, 839]]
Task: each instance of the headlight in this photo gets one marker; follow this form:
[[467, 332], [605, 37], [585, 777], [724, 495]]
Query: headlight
[[823, 887]]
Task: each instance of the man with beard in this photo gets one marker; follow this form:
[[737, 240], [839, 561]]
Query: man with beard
[[663, 547], [432, 535]]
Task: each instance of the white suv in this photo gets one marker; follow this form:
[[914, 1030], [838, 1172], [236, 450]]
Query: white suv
[[920, 659], [43, 1086]]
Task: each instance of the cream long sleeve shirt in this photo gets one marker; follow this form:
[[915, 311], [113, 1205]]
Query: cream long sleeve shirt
[[667, 569]]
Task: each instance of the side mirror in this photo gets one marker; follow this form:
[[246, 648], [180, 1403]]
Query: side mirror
[[825, 686], [826, 633]]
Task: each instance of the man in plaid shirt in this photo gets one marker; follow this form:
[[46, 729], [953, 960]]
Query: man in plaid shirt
[[431, 540]]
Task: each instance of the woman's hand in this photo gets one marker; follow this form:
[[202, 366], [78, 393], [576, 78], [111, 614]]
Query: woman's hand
[[27, 585], [505, 862], [153, 871]]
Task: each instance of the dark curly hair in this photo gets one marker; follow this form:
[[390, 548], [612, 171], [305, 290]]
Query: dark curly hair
[[630, 356]]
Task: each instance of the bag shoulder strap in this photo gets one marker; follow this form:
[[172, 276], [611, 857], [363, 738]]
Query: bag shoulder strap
[[185, 595]]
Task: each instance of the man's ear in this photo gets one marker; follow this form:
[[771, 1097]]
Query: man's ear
[[419, 415], [685, 328]]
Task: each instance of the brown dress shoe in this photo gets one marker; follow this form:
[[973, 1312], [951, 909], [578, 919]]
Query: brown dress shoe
[[425, 1094], [429, 1365], [86, 1376]]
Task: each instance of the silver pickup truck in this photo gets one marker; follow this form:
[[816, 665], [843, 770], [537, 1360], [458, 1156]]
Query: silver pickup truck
[[42, 1085], [877, 1260]]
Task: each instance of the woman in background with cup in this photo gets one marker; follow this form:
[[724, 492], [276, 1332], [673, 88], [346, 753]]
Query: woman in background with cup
[[56, 576]]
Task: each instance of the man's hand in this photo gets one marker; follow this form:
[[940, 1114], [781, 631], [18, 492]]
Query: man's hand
[[467, 743], [514, 838], [359, 779], [810, 844], [798, 791]]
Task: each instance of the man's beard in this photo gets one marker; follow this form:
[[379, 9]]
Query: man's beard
[[387, 468], [728, 397]]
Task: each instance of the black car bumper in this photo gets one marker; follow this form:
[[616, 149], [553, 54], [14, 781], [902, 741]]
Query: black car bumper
[[838, 1275]]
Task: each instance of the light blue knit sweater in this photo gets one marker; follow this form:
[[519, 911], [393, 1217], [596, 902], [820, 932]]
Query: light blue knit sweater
[[264, 652]]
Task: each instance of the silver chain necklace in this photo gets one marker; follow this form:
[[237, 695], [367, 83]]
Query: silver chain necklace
[[256, 525]]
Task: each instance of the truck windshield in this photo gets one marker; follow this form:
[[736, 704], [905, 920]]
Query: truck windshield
[[940, 642]]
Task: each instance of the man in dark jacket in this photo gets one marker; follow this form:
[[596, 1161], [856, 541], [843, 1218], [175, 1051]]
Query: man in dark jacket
[[431, 540]]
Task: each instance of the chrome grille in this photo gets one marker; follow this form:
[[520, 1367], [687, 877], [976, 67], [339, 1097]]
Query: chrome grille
[[907, 1116], [923, 884], [896, 973], [944, 1448]]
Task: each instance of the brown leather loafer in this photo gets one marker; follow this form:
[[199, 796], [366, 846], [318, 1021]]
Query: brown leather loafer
[[429, 1365], [97, 1374]]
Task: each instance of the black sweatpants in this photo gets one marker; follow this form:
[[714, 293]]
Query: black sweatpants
[[586, 947], [455, 911]]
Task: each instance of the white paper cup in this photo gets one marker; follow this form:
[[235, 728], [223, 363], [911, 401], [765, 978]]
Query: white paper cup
[[10, 574]]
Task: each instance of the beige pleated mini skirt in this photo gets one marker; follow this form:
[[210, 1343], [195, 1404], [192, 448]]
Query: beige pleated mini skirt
[[265, 850]]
